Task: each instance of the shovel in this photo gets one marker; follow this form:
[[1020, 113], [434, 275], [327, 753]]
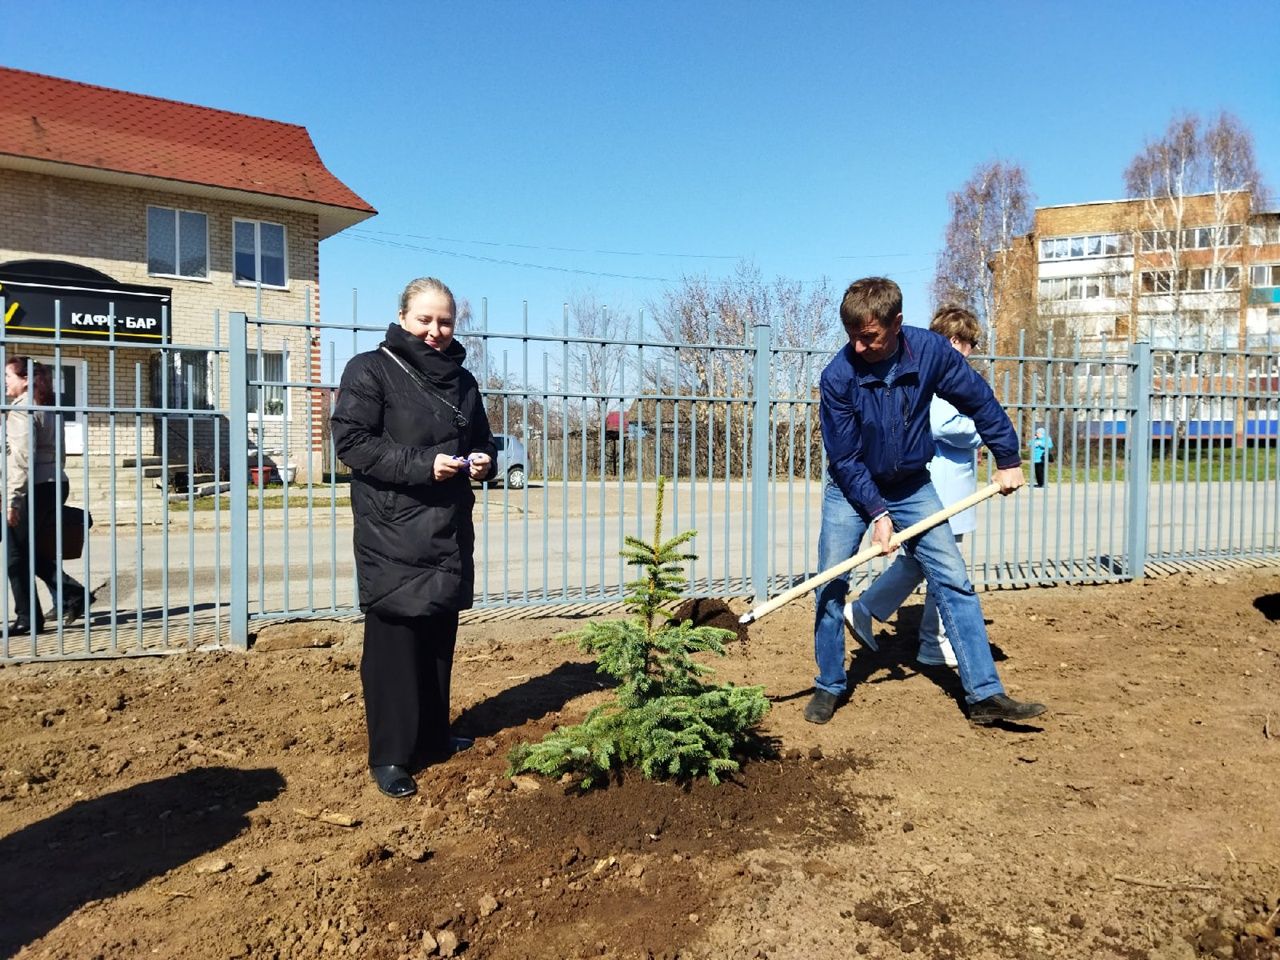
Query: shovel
[[870, 553]]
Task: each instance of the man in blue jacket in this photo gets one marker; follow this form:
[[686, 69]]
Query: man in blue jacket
[[876, 394]]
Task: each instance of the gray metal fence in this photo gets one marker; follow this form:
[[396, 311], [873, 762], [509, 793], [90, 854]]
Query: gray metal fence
[[218, 502]]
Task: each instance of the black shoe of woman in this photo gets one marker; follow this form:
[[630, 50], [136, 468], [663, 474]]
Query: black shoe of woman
[[74, 608], [21, 625], [394, 781]]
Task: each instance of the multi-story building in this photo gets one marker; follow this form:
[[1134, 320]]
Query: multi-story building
[[131, 228], [1200, 272]]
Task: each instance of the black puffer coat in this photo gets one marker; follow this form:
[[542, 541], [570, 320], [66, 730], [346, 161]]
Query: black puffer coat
[[414, 539]]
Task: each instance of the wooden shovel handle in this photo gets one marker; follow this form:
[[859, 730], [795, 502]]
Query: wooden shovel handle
[[817, 580]]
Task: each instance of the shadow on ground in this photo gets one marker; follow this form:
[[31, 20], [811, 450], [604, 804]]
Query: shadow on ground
[[530, 700], [99, 848], [1269, 606]]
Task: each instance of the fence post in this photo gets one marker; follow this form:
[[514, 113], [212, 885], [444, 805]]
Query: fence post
[[761, 468], [238, 473], [1138, 454]]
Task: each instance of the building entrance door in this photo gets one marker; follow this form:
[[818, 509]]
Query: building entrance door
[[70, 390]]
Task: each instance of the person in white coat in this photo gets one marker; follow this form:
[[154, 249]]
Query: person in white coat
[[953, 473]]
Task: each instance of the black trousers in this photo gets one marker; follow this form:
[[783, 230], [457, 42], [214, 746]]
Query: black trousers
[[405, 673], [46, 500], [1039, 468]]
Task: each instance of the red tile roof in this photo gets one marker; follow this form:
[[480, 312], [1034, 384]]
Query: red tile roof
[[48, 118]]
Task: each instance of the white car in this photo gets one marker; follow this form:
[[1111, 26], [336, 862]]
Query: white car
[[509, 466]]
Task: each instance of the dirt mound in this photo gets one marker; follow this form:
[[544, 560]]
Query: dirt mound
[[558, 861]]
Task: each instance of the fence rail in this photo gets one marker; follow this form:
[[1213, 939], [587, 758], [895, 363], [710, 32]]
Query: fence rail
[[218, 502]]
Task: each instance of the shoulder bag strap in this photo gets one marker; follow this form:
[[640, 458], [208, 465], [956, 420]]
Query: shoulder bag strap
[[459, 420]]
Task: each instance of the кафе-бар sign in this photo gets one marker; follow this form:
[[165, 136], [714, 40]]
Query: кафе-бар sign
[[43, 309]]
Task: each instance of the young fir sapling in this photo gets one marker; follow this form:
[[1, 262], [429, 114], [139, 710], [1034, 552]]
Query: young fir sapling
[[666, 719]]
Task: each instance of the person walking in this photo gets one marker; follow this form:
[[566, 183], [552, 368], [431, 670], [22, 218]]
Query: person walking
[[1041, 449], [954, 477], [35, 489], [410, 423], [874, 408]]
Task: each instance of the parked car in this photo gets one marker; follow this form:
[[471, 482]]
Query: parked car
[[510, 464]]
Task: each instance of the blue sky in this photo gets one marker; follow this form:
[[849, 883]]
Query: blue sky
[[593, 147]]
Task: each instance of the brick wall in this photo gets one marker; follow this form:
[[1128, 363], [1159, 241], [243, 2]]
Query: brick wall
[[104, 226]]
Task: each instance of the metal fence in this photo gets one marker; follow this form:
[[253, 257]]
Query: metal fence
[[208, 521]]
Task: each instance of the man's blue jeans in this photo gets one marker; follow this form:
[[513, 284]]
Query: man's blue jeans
[[938, 556]]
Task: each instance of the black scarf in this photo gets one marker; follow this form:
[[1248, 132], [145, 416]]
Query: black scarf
[[442, 369]]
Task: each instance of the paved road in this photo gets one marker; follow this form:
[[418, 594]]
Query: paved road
[[532, 545]]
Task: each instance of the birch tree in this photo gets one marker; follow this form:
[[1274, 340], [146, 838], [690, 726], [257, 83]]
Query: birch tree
[[988, 213], [1197, 184]]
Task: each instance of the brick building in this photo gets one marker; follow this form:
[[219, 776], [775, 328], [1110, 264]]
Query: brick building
[[1201, 272], [149, 222]]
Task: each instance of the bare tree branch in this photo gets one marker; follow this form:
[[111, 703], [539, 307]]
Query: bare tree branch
[[989, 211]]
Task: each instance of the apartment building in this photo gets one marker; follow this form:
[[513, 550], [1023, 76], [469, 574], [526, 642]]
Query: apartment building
[[1201, 272], [131, 228]]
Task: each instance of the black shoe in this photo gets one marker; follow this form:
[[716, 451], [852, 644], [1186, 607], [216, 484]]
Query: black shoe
[[1000, 707], [22, 626], [394, 781], [72, 611], [821, 706], [75, 607]]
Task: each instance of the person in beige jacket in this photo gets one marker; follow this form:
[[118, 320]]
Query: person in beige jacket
[[35, 488]]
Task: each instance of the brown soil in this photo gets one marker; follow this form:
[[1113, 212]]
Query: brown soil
[[199, 806]]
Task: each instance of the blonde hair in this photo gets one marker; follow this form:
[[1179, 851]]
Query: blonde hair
[[421, 285]]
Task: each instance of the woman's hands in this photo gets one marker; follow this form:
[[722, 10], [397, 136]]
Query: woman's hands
[[447, 466], [480, 463], [477, 466]]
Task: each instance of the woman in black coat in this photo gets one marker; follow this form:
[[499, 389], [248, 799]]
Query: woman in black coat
[[410, 423]]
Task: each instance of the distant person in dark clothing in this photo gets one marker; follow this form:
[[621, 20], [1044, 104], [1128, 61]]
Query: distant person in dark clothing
[[410, 423], [36, 488]]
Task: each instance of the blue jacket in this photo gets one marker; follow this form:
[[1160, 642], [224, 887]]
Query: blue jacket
[[877, 434], [952, 470]]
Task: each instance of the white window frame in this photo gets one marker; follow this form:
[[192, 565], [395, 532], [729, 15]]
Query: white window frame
[[1083, 246], [257, 254], [1264, 275], [255, 373], [1261, 234], [177, 244]]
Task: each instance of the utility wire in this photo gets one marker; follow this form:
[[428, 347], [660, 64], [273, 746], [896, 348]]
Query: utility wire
[[375, 235], [362, 238], [535, 246]]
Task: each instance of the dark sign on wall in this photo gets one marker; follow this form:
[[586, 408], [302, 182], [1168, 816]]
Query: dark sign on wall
[[82, 308]]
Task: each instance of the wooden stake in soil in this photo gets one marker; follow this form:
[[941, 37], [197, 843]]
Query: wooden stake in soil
[[946, 513]]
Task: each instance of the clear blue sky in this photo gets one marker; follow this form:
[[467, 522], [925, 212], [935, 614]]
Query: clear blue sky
[[592, 146]]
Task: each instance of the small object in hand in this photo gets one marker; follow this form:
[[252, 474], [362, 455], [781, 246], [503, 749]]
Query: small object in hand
[[466, 460]]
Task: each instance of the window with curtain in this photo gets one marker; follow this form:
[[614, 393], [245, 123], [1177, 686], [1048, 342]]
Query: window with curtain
[[269, 368]]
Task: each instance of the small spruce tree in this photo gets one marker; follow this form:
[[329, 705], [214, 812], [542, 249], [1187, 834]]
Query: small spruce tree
[[667, 720]]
